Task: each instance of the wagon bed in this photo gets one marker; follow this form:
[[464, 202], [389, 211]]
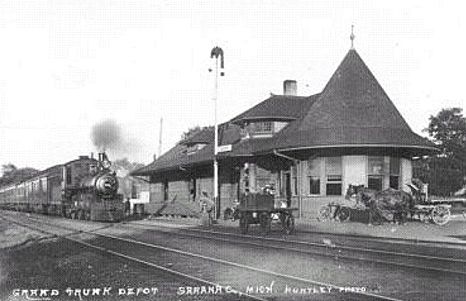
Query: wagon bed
[[260, 208], [264, 218]]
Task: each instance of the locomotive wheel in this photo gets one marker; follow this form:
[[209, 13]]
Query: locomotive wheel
[[264, 221], [244, 223], [288, 224], [440, 215], [344, 214]]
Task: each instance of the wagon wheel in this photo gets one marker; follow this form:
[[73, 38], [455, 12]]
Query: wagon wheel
[[264, 221], [344, 214], [288, 224], [244, 223], [440, 215], [324, 213]]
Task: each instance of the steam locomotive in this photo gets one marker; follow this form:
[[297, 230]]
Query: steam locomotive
[[85, 189]]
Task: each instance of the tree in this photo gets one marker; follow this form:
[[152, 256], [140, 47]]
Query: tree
[[446, 171], [191, 132], [7, 169], [12, 174], [129, 186], [448, 129], [125, 166]]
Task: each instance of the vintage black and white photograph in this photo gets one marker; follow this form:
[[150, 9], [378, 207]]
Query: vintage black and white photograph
[[232, 150]]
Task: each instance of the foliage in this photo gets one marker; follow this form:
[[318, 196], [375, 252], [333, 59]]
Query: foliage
[[446, 171], [125, 165], [191, 132], [128, 184], [448, 129], [12, 174]]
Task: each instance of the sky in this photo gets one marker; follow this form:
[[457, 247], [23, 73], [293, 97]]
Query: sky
[[66, 65]]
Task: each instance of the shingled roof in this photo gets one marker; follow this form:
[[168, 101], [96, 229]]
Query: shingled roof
[[276, 107], [353, 110]]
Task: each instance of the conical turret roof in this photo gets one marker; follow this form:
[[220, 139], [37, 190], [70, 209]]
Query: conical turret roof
[[352, 110]]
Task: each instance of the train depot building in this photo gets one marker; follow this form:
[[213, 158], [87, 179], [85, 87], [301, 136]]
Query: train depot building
[[309, 148]]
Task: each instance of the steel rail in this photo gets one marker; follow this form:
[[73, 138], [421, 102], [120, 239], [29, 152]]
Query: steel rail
[[130, 258], [308, 243], [229, 263], [327, 247]]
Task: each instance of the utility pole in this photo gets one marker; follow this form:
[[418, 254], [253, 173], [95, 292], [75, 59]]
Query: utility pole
[[160, 137], [216, 53]]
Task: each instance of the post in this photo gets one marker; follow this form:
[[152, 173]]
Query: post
[[217, 205], [216, 53]]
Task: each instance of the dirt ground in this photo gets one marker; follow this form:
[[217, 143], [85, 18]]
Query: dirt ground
[[13, 235], [30, 261]]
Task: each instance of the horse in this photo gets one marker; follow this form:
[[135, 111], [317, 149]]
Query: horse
[[397, 201], [365, 196], [382, 204]]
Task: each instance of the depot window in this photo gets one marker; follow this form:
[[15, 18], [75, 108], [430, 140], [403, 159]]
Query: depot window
[[333, 173], [313, 176], [68, 175], [294, 180], [376, 172], [263, 127], [394, 173]]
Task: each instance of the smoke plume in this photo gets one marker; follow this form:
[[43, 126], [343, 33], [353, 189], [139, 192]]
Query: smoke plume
[[106, 135]]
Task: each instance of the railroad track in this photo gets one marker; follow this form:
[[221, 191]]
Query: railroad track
[[408, 260], [205, 268]]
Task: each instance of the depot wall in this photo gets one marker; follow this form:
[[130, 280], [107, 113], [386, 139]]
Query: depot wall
[[308, 184]]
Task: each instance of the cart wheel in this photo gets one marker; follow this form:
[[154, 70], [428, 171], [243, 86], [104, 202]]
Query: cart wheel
[[344, 214], [440, 215], [264, 220], [288, 224], [324, 213], [244, 223]]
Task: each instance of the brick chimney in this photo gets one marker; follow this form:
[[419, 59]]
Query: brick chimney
[[290, 87]]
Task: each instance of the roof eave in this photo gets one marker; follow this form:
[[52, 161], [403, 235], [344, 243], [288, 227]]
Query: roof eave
[[388, 145], [261, 118]]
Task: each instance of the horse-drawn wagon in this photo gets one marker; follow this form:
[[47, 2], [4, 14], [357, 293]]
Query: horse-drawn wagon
[[259, 208], [390, 205]]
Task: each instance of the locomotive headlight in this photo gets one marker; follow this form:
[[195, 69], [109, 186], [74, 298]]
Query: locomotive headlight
[[107, 184], [106, 164]]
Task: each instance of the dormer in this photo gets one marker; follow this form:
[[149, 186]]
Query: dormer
[[261, 128], [193, 148], [198, 141], [270, 116]]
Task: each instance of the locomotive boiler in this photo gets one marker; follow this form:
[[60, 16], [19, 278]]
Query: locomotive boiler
[[85, 189], [93, 195]]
